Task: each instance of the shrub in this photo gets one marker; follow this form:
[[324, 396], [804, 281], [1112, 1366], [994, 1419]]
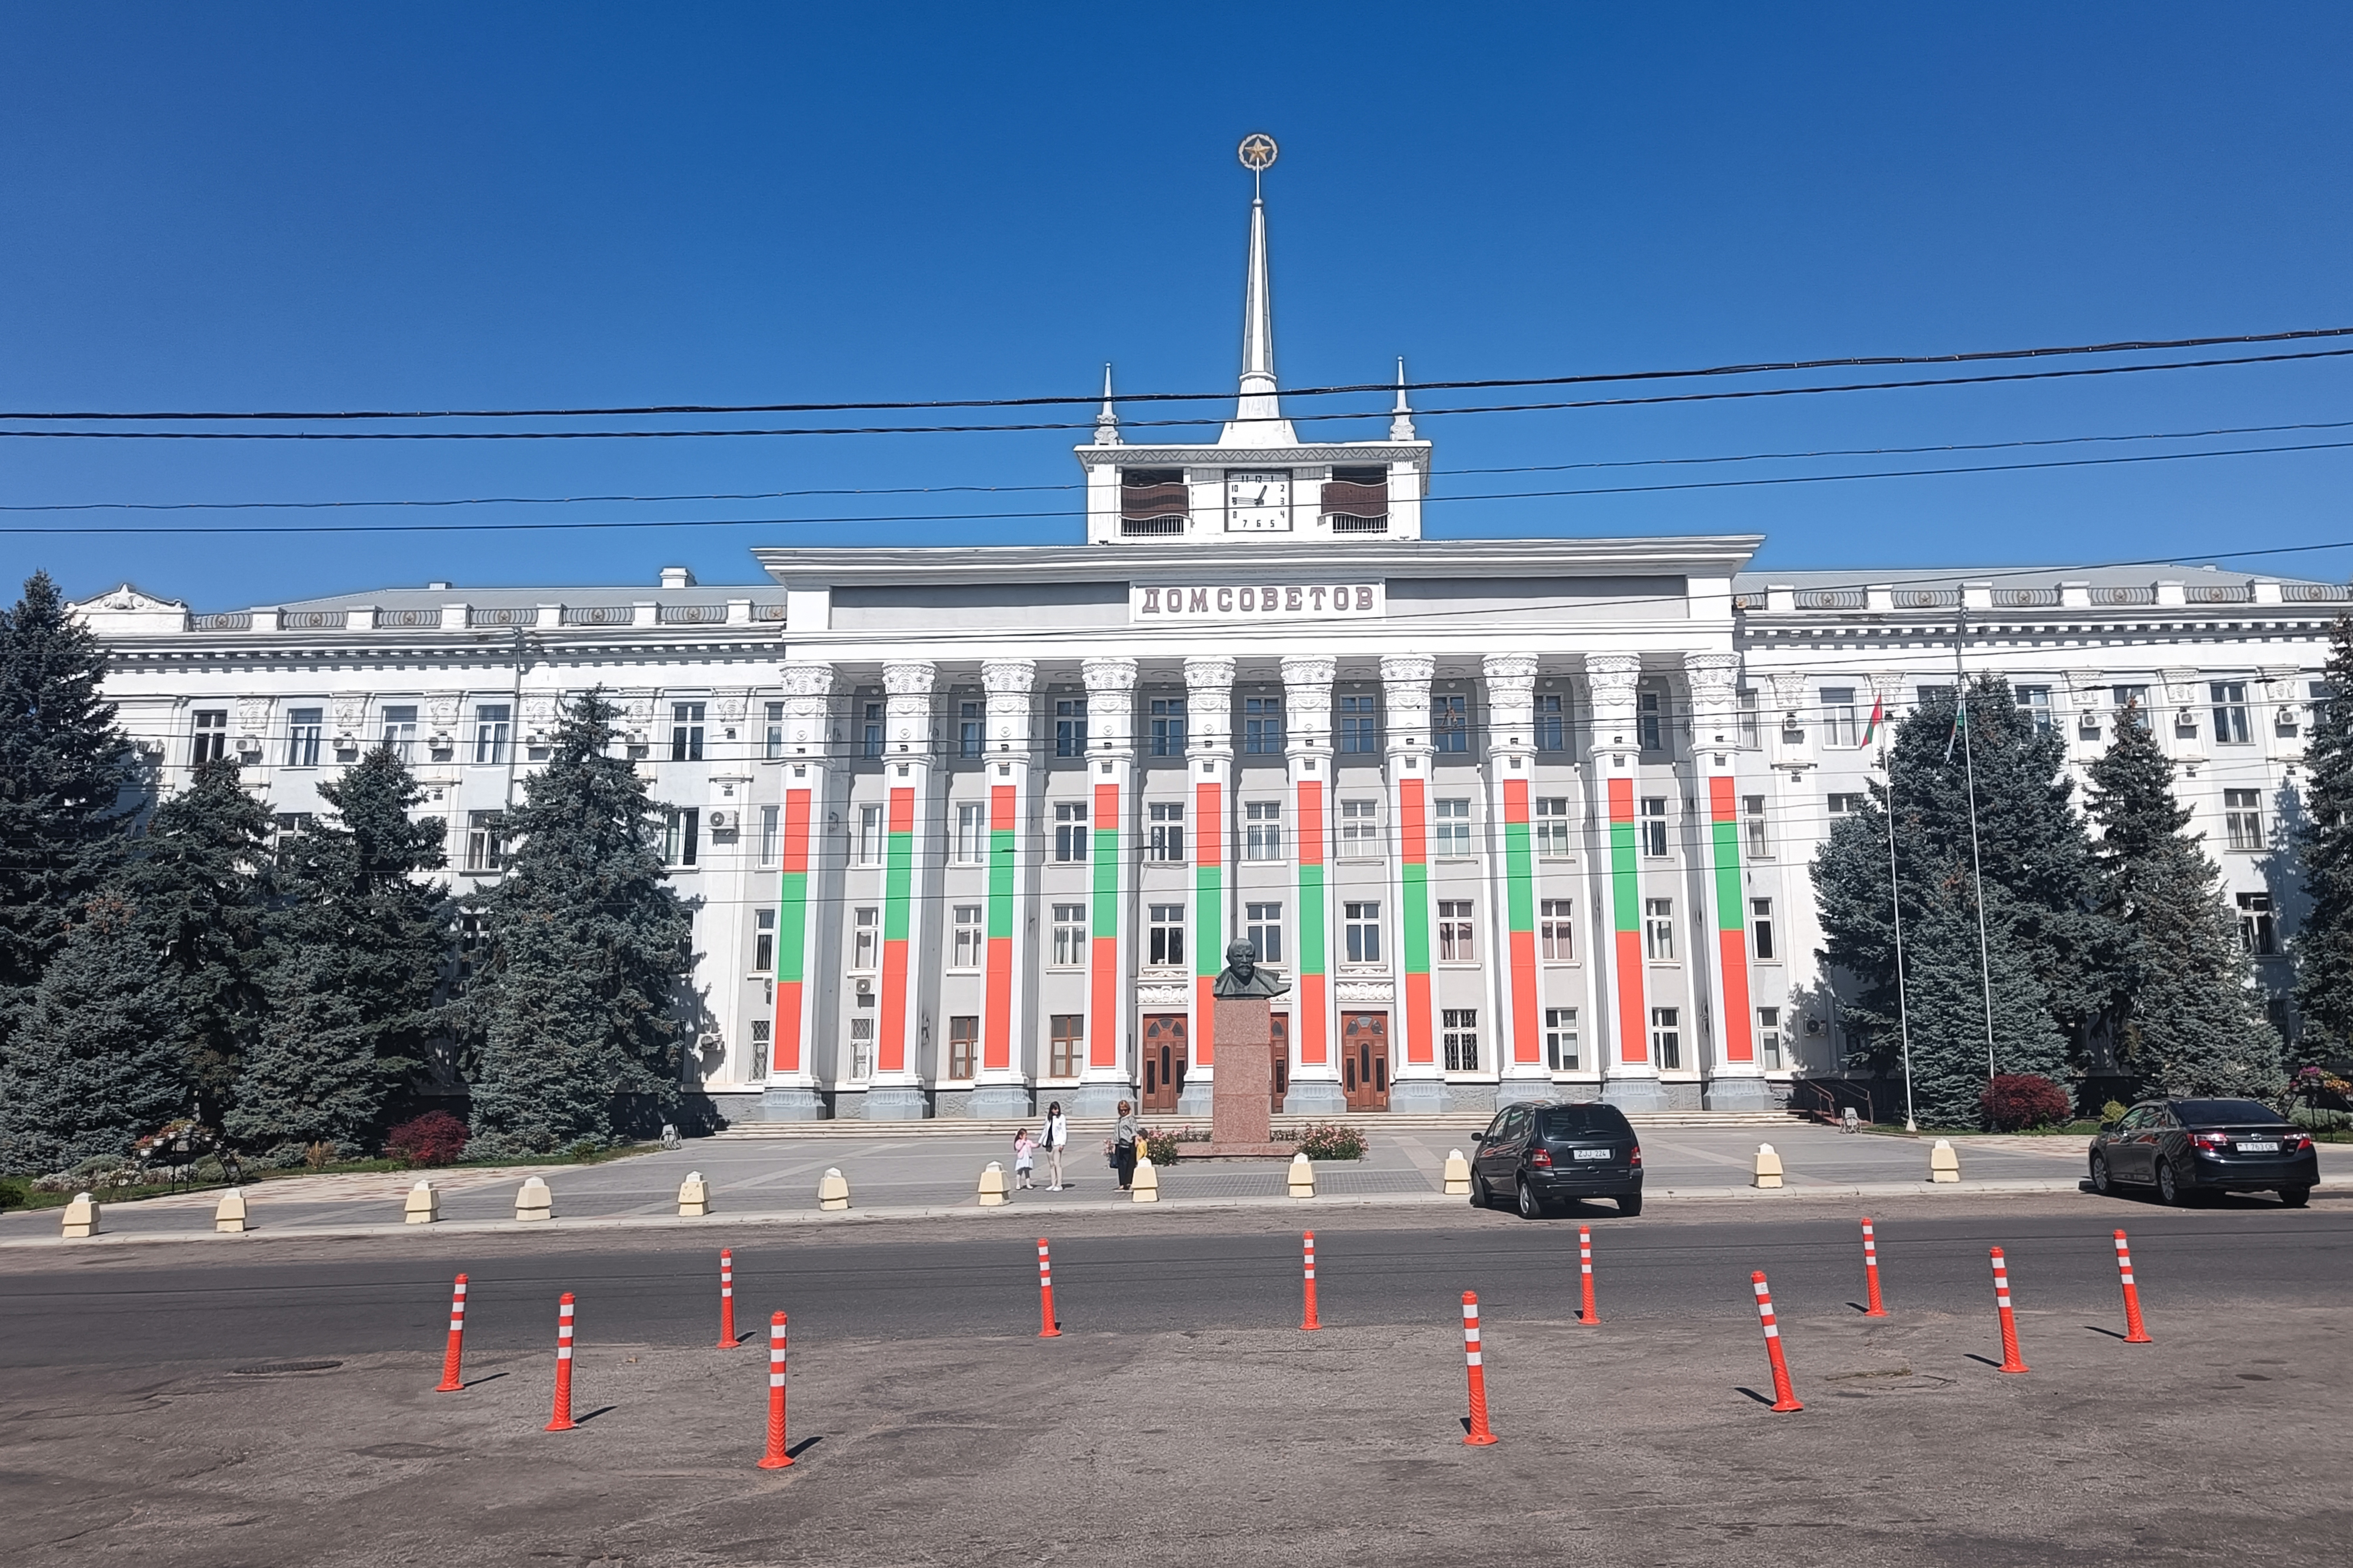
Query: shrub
[[1331, 1140], [2015, 1100], [435, 1138], [1159, 1147], [2114, 1111]]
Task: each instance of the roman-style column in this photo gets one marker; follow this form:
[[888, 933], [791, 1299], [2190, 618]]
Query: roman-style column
[[910, 858], [1512, 906], [1107, 1077], [1307, 754], [1415, 1083], [1000, 1088], [793, 1084], [1736, 1078], [1633, 1077], [1209, 760]]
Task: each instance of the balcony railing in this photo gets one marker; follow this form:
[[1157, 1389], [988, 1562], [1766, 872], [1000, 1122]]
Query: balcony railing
[[1151, 527]]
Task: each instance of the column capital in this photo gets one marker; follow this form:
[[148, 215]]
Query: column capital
[[1307, 702], [909, 677], [1405, 692], [808, 688], [1110, 705], [1511, 700], [907, 689], [1109, 673], [1013, 677], [1612, 677], [1207, 672], [1713, 676], [1209, 706]]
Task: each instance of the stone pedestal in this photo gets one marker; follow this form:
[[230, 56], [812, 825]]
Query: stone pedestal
[[791, 1103], [1634, 1093], [999, 1102], [1098, 1099], [1239, 1115], [1742, 1093], [895, 1102]]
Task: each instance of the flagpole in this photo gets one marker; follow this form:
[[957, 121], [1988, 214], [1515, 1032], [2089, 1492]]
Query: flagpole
[[1977, 867], [1895, 902]]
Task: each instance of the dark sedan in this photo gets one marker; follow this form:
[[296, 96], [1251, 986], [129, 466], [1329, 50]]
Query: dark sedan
[[2185, 1147], [1544, 1155]]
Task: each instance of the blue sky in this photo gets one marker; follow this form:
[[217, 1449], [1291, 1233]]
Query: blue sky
[[431, 206]]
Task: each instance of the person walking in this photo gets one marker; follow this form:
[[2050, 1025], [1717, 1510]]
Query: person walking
[[1024, 1147], [1123, 1145], [1057, 1134]]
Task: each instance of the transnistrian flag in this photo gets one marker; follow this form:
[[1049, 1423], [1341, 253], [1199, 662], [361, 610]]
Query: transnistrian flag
[[1878, 712]]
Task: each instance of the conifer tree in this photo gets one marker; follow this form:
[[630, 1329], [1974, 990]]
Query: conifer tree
[[589, 945], [356, 943], [2323, 944]]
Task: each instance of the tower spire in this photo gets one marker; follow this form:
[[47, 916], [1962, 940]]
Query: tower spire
[[1107, 421], [1401, 416], [1258, 418]]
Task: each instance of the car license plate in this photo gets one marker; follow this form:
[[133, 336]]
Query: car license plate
[[1593, 1154], [2264, 1147]]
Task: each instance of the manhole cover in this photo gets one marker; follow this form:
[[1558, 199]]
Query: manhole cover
[[269, 1368]]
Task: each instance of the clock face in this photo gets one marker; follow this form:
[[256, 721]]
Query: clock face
[[1258, 503]]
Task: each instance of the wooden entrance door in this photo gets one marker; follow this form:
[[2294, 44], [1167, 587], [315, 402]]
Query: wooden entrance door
[[1166, 1060], [1278, 1056], [1365, 1060]]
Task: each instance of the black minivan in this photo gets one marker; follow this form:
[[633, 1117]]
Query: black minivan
[[1543, 1155]]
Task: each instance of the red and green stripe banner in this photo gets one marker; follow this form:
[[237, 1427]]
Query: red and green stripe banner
[[1209, 917], [1311, 963], [1519, 918], [792, 933], [997, 1030], [1413, 919], [1626, 923], [1730, 919], [898, 904], [1103, 1032]]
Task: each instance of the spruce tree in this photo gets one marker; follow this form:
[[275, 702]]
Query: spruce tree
[[355, 947], [2187, 1016], [2323, 944], [1945, 991], [590, 947]]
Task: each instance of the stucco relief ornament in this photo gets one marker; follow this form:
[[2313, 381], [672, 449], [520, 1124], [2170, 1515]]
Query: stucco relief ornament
[[441, 712], [350, 711]]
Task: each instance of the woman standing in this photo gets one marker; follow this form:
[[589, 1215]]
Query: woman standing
[[1057, 1134], [1124, 1140]]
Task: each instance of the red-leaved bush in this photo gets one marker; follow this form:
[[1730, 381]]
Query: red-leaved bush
[[435, 1138], [2014, 1100]]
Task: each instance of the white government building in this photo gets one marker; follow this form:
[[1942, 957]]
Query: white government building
[[969, 829]]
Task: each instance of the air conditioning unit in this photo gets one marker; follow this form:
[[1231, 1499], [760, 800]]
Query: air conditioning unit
[[722, 821], [865, 986]]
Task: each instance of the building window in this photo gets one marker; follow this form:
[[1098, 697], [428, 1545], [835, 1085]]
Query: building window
[[287, 824], [1070, 831], [763, 940], [1262, 924], [486, 841], [1459, 1029], [769, 836], [1066, 1041], [1659, 929], [1262, 726], [303, 728], [2230, 698], [490, 727], [1649, 719], [1169, 726], [1165, 844], [971, 833], [772, 746], [964, 949], [1552, 724], [1557, 931], [1654, 826], [865, 937], [1361, 923], [869, 835], [1840, 725], [1165, 939], [1768, 1037], [862, 1049], [1760, 930], [1449, 722], [1752, 823], [1455, 943], [1552, 826], [1749, 731], [1360, 827], [2256, 931], [2242, 818], [1070, 727], [762, 1029], [871, 739], [1450, 834], [1666, 1039], [2124, 697], [399, 731], [1846, 804], [686, 732], [972, 729], [1560, 1038], [1262, 830], [681, 834], [210, 741], [1069, 935], [963, 1042], [1360, 725], [2036, 702]]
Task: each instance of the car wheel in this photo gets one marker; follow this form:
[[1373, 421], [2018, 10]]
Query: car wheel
[[2101, 1181], [1480, 1197], [2169, 1187], [1531, 1206], [2295, 1197], [1630, 1205]]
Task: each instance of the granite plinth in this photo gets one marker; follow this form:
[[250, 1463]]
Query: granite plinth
[[1240, 1114]]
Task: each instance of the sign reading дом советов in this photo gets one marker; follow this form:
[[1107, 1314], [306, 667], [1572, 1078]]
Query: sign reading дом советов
[[1168, 604]]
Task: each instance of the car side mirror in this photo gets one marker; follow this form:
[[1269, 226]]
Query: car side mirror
[[1478, 1138]]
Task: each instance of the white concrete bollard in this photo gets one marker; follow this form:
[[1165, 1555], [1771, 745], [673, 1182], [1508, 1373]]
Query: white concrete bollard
[[992, 1186], [424, 1206], [1302, 1177], [833, 1191], [229, 1215], [1944, 1162], [81, 1217], [1143, 1187], [533, 1201], [1458, 1174], [694, 1196], [1767, 1172]]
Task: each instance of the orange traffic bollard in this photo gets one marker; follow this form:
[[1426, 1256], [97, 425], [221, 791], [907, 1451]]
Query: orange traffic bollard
[[2136, 1332], [1309, 1323], [1871, 1272], [1784, 1396], [561, 1420], [1585, 1272], [727, 1299], [1479, 1436], [450, 1383], [776, 1458], [2010, 1361], [1051, 1329]]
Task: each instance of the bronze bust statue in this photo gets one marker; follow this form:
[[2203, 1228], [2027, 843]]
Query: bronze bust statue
[[1243, 977]]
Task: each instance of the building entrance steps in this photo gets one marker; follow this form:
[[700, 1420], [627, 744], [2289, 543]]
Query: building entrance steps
[[1083, 1128]]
